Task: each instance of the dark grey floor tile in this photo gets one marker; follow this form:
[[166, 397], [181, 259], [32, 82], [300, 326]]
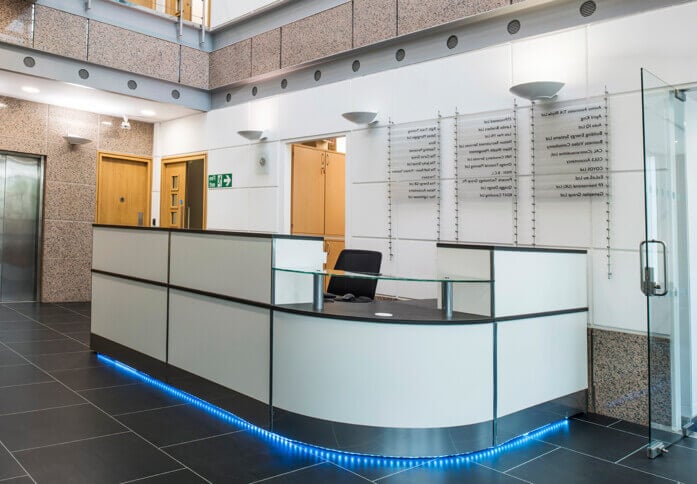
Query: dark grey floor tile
[[96, 377], [130, 398], [72, 326], [239, 457], [105, 460], [374, 469], [596, 418], [318, 474], [10, 358], [8, 466], [174, 425], [603, 442], [7, 314], [679, 464], [47, 427], [183, 476], [32, 334], [688, 442], [20, 324], [81, 336], [19, 480], [504, 460], [64, 345], [37, 396], [66, 361], [21, 375], [632, 428], [565, 466], [466, 472]]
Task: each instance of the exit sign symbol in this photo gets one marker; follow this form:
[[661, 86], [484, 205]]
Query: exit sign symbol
[[222, 180]]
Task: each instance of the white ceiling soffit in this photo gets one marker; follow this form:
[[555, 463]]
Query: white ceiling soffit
[[84, 98]]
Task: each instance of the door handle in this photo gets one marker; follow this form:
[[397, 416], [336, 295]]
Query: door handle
[[649, 286]]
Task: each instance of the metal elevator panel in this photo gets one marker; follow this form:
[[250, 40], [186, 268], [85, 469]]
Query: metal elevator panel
[[20, 201]]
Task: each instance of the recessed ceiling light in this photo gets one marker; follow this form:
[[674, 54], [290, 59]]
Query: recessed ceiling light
[[30, 89], [147, 112], [107, 123], [3, 105]]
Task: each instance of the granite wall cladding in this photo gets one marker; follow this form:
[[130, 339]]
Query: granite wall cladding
[[231, 63], [318, 36], [133, 52], [69, 183], [619, 376], [195, 65], [373, 21], [60, 33], [15, 22], [416, 15], [266, 52]]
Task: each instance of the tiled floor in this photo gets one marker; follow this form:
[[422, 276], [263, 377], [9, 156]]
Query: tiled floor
[[67, 417]]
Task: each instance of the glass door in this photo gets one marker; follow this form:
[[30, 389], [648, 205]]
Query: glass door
[[664, 259]]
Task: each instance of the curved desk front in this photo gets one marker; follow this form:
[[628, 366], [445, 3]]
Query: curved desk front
[[233, 322]]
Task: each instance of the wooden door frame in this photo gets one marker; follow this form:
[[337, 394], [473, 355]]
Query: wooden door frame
[[182, 159], [120, 156]]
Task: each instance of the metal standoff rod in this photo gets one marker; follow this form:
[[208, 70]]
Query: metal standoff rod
[[447, 297], [318, 292]]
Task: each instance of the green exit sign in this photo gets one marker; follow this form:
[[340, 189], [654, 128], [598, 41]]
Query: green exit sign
[[223, 180]]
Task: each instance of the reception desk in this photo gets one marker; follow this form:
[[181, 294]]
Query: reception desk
[[229, 317]]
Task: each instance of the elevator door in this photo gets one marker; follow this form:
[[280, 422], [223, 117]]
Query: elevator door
[[20, 181]]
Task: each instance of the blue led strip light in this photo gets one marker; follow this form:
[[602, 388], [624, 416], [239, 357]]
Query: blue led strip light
[[340, 457]]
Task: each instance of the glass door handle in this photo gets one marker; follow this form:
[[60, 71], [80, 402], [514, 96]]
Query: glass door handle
[[649, 286]]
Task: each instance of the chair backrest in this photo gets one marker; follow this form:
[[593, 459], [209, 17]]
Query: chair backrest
[[355, 260]]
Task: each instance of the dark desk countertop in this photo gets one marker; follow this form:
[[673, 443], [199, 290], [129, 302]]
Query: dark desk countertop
[[403, 312]]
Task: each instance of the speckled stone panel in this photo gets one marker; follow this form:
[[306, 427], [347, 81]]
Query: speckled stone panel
[[195, 67], [66, 280], [24, 121], [134, 52], [317, 36], [15, 22], [136, 141], [230, 64], [71, 163], [60, 33], [413, 15], [67, 240], [69, 202], [373, 21], [266, 52], [620, 375]]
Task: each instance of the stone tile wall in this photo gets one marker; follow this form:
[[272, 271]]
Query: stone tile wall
[[69, 183]]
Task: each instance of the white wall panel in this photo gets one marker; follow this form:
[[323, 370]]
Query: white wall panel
[[387, 375], [488, 221], [565, 223], [661, 41], [368, 210], [415, 219], [183, 135], [263, 209], [222, 264], [625, 132], [228, 209], [618, 302], [221, 341], [626, 212], [540, 359], [416, 258], [535, 281], [366, 155], [555, 57], [313, 112], [222, 126], [131, 252], [130, 313]]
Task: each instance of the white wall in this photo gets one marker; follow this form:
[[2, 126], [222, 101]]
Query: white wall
[[607, 54], [225, 10], [691, 164]]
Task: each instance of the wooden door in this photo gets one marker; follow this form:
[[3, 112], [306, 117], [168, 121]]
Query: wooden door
[[123, 190], [307, 191], [173, 193], [171, 8], [335, 194], [145, 3]]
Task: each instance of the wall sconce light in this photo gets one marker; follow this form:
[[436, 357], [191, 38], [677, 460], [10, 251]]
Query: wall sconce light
[[76, 140], [537, 90], [361, 117], [252, 134]]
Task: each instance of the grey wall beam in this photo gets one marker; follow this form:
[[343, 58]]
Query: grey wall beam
[[63, 69]]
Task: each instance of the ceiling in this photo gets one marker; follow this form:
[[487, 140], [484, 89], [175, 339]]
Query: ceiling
[[87, 99]]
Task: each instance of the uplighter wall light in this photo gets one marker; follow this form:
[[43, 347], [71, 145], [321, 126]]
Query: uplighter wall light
[[537, 90]]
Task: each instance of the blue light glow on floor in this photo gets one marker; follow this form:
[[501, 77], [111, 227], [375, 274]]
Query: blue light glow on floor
[[340, 457]]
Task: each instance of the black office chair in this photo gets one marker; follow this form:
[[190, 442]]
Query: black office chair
[[354, 260]]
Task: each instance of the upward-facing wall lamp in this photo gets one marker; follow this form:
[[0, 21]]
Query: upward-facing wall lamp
[[537, 90], [361, 117], [252, 134], [76, 140]]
